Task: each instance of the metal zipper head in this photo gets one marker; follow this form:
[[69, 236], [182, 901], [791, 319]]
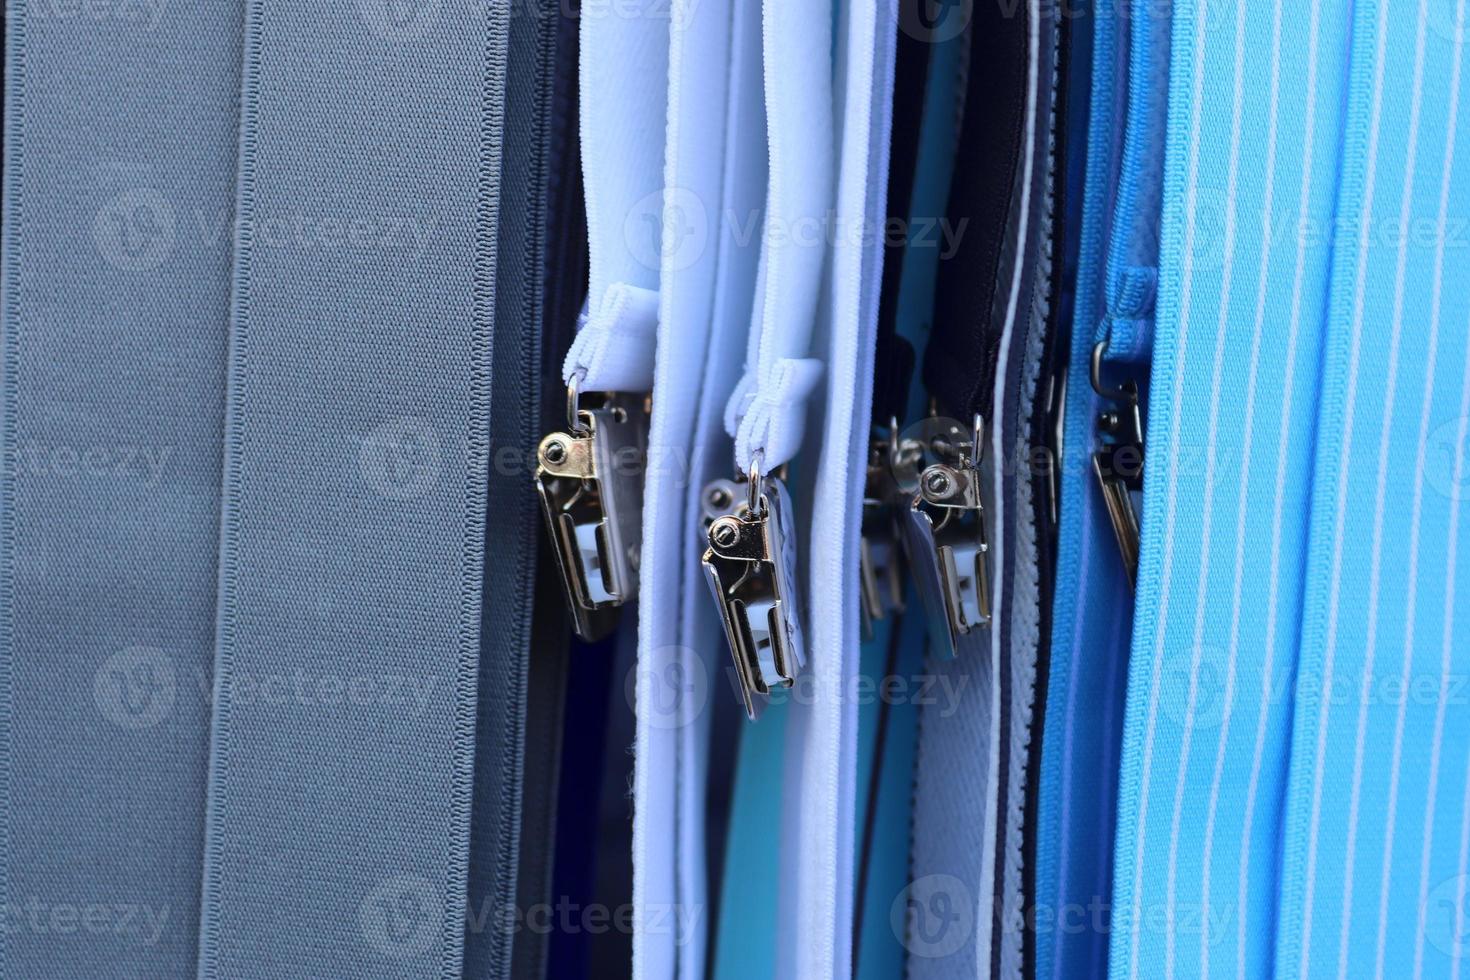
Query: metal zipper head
[[1118, 461], [750, 564], [590, 480], [880, 557], [948, 539]]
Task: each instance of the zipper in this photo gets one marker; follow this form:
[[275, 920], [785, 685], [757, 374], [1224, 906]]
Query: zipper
[[1123, 345], [590, 480], [750, 566], [947, 527], [949, 521], [589, 475], [1117, 462], [749, 530]]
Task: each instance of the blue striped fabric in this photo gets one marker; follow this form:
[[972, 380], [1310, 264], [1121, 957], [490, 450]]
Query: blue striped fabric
[[1378, 807], [355, 504], [119, 179], [1255, 115]]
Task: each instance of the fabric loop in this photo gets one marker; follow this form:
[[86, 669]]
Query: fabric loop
[[615, 346], [1128, 325], [775, 415]]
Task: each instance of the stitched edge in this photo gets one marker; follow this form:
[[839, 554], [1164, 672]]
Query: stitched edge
[[229, 546]]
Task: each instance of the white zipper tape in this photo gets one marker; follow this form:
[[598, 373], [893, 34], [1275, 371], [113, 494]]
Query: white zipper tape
[[797, 41], [624, 95]]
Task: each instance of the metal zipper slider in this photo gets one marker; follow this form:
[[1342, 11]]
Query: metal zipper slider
[[948, 538], [880, 559], [750, 564], [1118, 461], [590, 479]]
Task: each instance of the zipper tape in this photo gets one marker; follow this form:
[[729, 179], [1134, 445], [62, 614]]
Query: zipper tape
[[353, 531], [767, 414], [1092, 611], [822, 756], [1133, 248], [745, 871], [751, 559], [518, 728], [714, 165], [623, 89], [1021, 634], [116, 315]]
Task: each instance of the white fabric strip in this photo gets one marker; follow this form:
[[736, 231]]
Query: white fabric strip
[[767, 414], [624, 84], [715, 167], [822, 740]]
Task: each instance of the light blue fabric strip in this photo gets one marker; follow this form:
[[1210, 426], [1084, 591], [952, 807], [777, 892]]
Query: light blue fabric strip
[[354, 504], [1256, 96], [1374, 877], [118, 190], [1092, 612]]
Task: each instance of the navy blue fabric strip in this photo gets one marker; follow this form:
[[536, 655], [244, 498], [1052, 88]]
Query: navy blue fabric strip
[[354, 509], [118, 189]]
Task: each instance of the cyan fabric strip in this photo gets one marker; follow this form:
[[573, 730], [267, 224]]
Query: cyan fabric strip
[[1374, 864], [1092, 612], [745, 945], [354, 504], [1250, 200], [118, 198]]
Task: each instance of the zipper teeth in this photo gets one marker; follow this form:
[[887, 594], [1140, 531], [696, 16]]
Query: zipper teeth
[[505, 883]]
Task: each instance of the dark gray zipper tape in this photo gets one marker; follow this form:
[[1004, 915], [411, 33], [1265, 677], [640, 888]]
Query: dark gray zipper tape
[[522, 684], [354, 517]]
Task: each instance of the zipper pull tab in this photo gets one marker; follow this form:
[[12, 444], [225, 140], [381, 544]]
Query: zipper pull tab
[[880, 559], [750, 564], [1118, 461], [949, 539], [590, 480]]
